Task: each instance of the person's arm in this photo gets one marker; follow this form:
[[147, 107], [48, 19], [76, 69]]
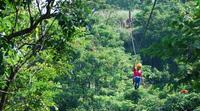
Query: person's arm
[[134, 68], [142, 79]]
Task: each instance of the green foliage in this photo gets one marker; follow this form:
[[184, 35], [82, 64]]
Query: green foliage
[[35, 90], [157, 78], [133, 95], [73, 15], [95, 70], [182, 102], [124, 4], [81, 59], [182, 45], [32, 44], [100, 75]]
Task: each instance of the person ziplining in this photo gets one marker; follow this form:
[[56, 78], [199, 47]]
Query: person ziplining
[[137, 69], [137, 75]]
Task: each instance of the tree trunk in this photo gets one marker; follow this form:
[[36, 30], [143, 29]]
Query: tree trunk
[[3, 99], [6, 89]]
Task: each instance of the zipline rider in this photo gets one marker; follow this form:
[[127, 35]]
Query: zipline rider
[[137, 75]]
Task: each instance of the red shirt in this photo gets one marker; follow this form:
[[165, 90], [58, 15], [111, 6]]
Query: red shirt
[[137, 72]]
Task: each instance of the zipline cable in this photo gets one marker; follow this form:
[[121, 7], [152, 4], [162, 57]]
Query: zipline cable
[[131, 33], [154, 4], [133, 44], [148, 22]]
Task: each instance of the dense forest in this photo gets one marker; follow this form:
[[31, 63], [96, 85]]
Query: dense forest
[[78, 55]]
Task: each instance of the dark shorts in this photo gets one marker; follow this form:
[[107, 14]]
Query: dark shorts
[[137, 81]]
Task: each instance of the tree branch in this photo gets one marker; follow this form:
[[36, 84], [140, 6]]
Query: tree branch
[[1, 91], [47, 15], [24, 45], [49, 5], [16, 19], [38, 6], [31, 28], [14, 70], [43, 35], [30, 16]]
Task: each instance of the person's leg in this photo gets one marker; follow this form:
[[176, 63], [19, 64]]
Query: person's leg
[[136, 82], [135, 86], [139, 80]]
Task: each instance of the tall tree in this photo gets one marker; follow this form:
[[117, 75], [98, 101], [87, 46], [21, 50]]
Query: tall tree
[[24, 37]]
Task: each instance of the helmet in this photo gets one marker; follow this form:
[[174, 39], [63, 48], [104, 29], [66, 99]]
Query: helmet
[[139, 66]]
